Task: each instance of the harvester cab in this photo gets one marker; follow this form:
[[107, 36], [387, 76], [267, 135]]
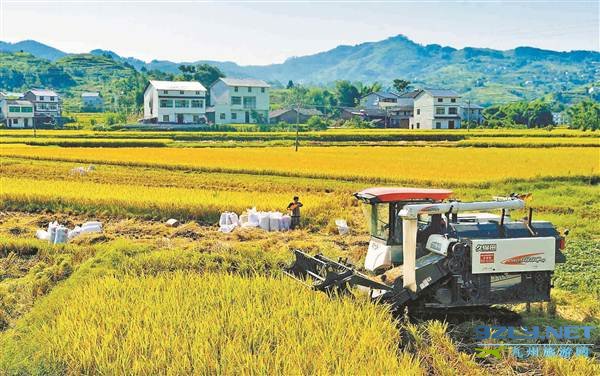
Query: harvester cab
[[429, 251]]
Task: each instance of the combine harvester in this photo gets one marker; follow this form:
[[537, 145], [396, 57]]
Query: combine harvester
[[426, 252]]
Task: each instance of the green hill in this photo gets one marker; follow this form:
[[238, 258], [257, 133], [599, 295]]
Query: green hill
[[483, 75], [120, 84]]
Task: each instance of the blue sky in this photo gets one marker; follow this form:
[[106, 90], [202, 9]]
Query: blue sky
[[268, 31]]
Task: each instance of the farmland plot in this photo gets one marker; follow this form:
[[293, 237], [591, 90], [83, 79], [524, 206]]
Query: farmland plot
[[261, 322]]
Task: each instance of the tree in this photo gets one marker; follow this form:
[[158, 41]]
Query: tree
[[532, 114], [317, 123], [401, 85], [368, 89], [207, 74], [346, 94], [290, 84], [584, 115], [204, 73]]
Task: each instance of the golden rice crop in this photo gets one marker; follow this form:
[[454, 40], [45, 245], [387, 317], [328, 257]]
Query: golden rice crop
[[158, 202], [530, 142], [403, 164], [217, 324]]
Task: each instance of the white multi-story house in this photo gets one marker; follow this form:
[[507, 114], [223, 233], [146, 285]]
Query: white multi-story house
[[436, 109], [239, 100], [46, 106], [175, 102], [16, 113]]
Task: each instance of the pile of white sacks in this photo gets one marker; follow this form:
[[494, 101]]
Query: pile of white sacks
[[58, 233], [268, 221]]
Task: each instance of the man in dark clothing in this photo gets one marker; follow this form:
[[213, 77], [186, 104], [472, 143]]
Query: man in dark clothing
[[294, 208]]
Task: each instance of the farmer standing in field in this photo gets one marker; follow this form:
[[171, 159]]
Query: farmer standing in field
[[294, 208]]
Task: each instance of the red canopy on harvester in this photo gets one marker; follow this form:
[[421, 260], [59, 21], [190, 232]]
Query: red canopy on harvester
[[393, 194]]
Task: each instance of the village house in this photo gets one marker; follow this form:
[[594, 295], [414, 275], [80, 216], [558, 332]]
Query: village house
[[92, 101], [472, 113], [239, 100], [16, 113], [436, 109], [378, 99], [399, 116], [46, 107], [174, 102], [293, 116]]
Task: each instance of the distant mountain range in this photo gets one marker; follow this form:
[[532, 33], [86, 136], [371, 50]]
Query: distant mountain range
[[486, 75]]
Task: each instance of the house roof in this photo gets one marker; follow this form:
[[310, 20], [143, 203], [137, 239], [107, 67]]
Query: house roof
[[383, 94], [442, 92], [229, 81], [10, 95], [303, 111], [19, 102], [365, 111], [410, 94], [44, 92], [90, 94], [177, 85]]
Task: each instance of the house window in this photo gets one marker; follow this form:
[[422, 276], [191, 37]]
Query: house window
[[51, 99], [235, 88], [262, 89], [197, 103], [438, 125], [181, 103], [196, 119], [41, 98], [222, 116], [26, 109], [418, 111], [166, 118], [14, 109], [233, 115], [250, 102], [440, 100], [165, 103], [165, 91], [453, 100], [452, 111], [236, 100], [197, 93], [181, 92], [440, 111], [249, 90], [418, 125]]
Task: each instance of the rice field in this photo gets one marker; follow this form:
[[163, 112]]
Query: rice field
[[402, 164], [143, 298], [218, 324]]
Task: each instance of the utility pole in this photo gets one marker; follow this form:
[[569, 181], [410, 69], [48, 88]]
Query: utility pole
[[297, 123], [468, 114]]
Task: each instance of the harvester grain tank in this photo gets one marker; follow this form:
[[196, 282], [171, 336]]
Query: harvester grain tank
[[428, 251]]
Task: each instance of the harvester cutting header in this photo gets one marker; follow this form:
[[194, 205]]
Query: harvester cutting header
[[429, 251]]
